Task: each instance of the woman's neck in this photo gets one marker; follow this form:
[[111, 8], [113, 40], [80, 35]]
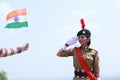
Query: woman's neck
[[85, 47]]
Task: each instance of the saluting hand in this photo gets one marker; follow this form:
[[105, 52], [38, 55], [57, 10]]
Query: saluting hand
[[72, 41]]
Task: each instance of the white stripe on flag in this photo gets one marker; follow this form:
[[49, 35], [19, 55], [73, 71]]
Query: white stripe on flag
[[21, 19]]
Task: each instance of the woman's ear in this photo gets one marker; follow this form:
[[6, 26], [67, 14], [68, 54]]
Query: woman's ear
[[88, 39]]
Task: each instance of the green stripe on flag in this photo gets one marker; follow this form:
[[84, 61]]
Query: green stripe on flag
[[17, 25]]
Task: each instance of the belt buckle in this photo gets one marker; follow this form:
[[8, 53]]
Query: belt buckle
[[82, 70]]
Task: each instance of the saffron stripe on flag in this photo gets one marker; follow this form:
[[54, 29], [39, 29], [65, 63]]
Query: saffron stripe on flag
[[14, 13]]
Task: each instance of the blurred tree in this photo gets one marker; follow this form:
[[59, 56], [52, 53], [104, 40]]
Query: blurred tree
[[3, 75]]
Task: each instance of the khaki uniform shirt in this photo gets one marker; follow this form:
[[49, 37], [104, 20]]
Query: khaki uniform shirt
[[91, 57]]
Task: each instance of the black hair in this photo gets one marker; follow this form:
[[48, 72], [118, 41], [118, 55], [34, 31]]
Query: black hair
[[89, 42]]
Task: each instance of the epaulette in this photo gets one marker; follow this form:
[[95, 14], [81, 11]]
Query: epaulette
[[93, 51]]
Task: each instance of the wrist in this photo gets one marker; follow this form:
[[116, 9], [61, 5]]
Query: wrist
[[65, 47]]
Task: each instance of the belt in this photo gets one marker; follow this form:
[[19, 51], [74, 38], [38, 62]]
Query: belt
[[80, 73]]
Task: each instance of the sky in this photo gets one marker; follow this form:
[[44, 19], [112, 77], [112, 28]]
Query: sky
[[50, 24]]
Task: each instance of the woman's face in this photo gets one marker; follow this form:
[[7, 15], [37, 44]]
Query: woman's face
[[83, 40]]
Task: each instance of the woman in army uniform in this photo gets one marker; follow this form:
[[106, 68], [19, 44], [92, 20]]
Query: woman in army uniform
[[90, 55], [4, 52]]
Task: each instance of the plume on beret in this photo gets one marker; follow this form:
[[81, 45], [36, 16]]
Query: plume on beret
[[82, 23]]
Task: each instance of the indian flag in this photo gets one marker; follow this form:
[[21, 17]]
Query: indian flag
[[16, 19]]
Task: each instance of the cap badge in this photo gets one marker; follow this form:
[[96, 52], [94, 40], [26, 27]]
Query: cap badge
[[83, 32]]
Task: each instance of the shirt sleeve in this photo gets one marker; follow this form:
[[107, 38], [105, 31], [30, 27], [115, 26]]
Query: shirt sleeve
[[67, 53], [96, 66], [4, 52]]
